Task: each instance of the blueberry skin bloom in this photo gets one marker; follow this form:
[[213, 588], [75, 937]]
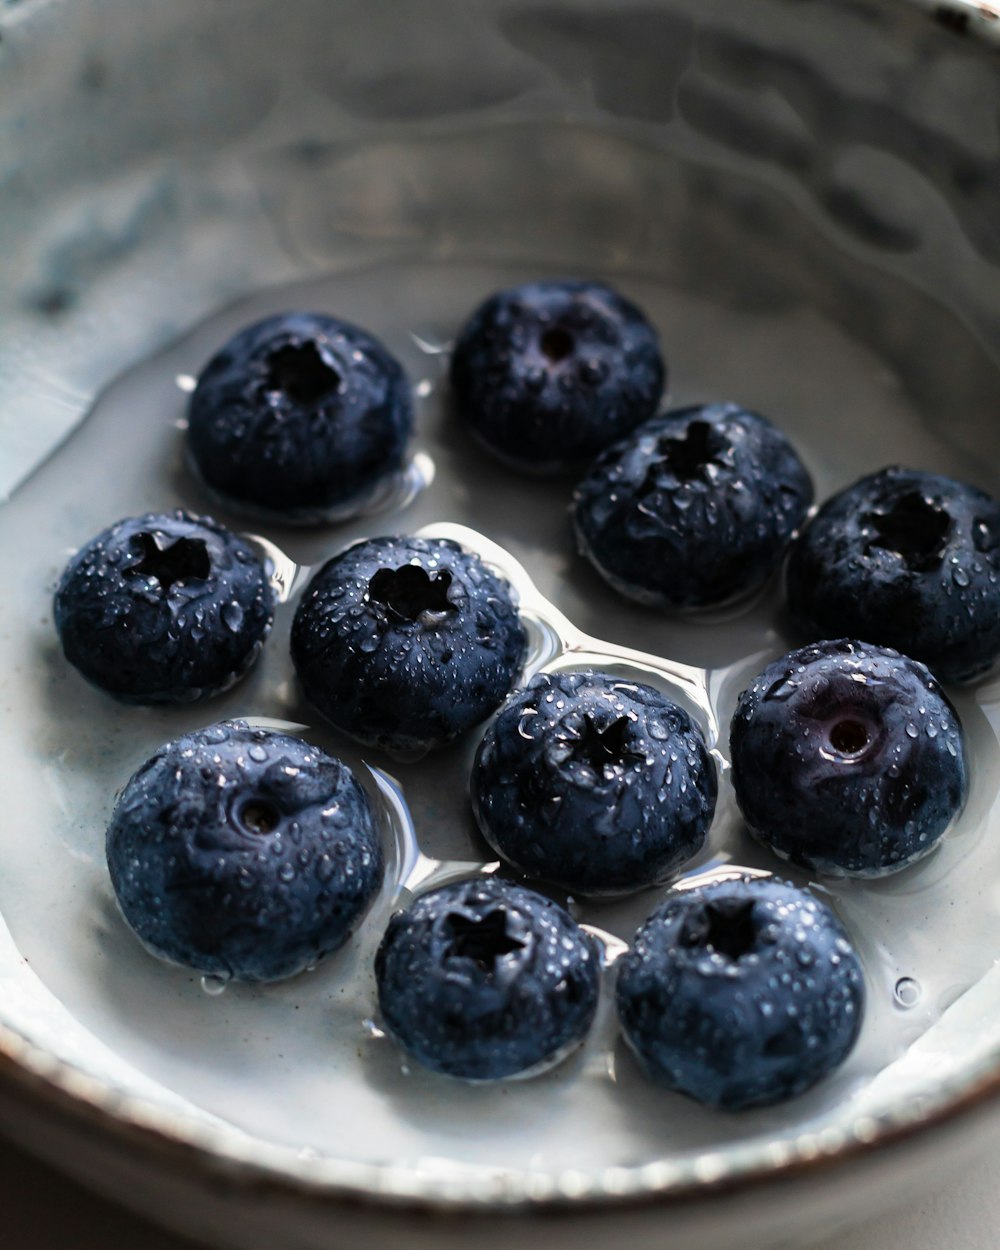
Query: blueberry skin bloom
[[486, 980], [164, 608], [545, 375], [695, 509], [404, 643], [243, 853], [740, 993], [848, 759], [594, 783], [300, 417], [907, 559]]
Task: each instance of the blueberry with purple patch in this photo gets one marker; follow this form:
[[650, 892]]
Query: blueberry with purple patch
[[740, 993], [695, 509], [405, 643], [546, 374], [594, 783], [848, 759], [244, 853], [485, 980], [164, 608], [907, 559], [300, 418]]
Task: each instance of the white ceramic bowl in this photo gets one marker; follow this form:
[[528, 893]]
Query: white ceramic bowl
[[806, 198]]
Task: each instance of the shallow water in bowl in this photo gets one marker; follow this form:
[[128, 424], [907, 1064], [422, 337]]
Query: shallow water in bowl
[[301, 1063]]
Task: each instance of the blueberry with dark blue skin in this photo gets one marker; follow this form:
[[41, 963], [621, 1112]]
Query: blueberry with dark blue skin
[[404, 643], [848, 759], [594, 783], [740, 993], [244, 853], [545, 375], [907, 559], [485, 980], [300, 417], [164, 608], [695, 509]]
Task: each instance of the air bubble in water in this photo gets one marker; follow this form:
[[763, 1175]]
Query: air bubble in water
[[906, 992]]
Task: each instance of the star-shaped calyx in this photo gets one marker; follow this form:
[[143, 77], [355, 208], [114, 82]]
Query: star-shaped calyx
[[184, 560], [410, 592], [483, 940]]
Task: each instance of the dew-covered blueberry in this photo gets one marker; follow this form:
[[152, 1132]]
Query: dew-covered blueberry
[[485, 980], [164, 608], [907, 559], [695, 509], [404, 643], [848, 759], [595, 783], [244, 853], [300, 417], [546, 374], [740, 993]]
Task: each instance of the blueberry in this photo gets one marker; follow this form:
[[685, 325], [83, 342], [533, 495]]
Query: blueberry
[[740, 993], [545, 375], [243, 853], [300, 417], [404, 643], [695, 509], [164, 608], [594, 783], [907, 559], [848, 759], [485, 980]]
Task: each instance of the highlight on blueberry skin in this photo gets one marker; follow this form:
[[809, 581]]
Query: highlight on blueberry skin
[[485, 980], [848, 759], [546, 374], [405, 643], [695, 509], [164, 608], [907, 559], [594, 783], [741, 993], [243, 853], [300, 417]]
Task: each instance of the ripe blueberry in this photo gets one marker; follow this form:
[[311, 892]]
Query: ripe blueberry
[[545, 375], [848, 759], [243, 853], [694, 509], [164, 608], [907, 559], [594, 783], [404, 643], [485, 980], [740, 993], [300, 417]]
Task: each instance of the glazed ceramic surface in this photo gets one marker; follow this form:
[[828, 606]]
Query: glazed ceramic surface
[[804, 197]]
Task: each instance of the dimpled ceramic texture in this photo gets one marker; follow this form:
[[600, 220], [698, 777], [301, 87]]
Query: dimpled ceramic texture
[[804, 198]]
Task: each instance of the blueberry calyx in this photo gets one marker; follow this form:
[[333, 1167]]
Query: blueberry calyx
[[301, 372], [915, 529], [726, 926], [411, 593], [850, 737], [556, 344], [605, 750], [696, 452], [484, 939], [257, 816], [184, 560]]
